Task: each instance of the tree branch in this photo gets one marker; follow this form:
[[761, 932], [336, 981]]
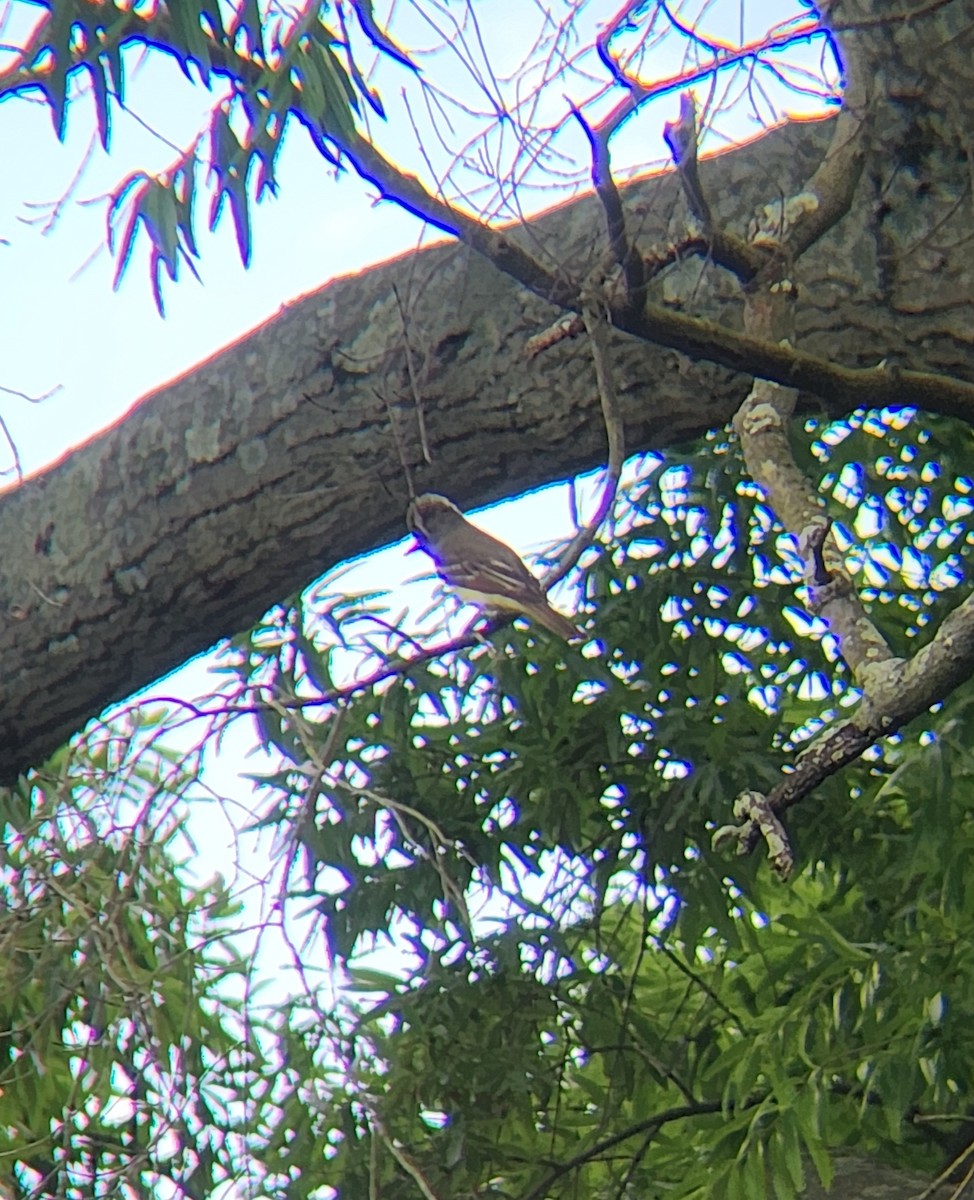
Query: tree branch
[[630, 262], [898, 691], [769, 311], [649, 1125], [597, 327]]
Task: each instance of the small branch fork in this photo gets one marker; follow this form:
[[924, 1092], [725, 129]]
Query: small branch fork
[[399, 1154], [638, 93], [898, 690], [623, 251]]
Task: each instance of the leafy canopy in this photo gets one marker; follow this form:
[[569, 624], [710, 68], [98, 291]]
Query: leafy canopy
[[588, 995], [585, 998]]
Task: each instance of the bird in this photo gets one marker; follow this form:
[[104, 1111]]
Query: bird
[[480, 568]]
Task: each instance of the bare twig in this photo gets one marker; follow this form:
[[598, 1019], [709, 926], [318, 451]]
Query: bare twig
[[623, 251], [649, 1125], [724, 248], [681, 137], [15, 453], [397, 439], [566, 327], [949, 1170], [639, 93], [32, 399], [840, 388], [408, 1164], [393, 668], [413, 380]]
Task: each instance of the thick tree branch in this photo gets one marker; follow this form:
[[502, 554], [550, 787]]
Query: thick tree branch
[[841, 389], [761, 424], [768, 455]]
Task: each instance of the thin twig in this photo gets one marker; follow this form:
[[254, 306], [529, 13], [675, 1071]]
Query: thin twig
[[397, 440], [638, 93], [413, 381], [452, 892], [650, 1125], [597, 326], [411, 1168], [18, 468], [945, 1174]]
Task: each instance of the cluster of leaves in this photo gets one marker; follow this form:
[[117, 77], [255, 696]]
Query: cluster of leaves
[[588, 997], [271, 67], [267, 72], [123, 1062]]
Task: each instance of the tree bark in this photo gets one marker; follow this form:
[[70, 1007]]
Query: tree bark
[[275, 460], [866, 1179]]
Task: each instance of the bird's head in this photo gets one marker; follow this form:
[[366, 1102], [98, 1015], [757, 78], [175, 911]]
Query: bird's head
[[431, 515]]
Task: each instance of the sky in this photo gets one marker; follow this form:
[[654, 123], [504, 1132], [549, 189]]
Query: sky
[[93, 350]]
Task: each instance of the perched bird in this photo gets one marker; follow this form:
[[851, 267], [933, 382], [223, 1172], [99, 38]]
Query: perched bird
[[478, 567]]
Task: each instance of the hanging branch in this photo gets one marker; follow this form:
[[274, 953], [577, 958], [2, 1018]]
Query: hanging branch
[[597, 326]]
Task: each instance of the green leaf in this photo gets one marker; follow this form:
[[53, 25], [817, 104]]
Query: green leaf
[[190, 37], [56, 48], [98, 72], [378, 38], [787, 1166]]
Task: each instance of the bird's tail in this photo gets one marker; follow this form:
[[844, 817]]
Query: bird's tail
[[554, 621]]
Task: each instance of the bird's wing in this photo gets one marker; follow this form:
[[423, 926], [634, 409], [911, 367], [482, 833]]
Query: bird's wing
[[500, 574]]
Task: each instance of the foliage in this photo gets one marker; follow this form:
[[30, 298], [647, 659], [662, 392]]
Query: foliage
[[577, 995], [589, 999], [126, 1064], [266, 70], [331, 72]]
